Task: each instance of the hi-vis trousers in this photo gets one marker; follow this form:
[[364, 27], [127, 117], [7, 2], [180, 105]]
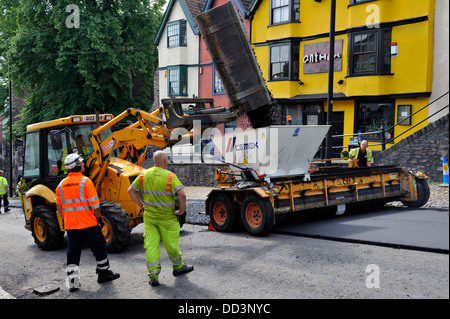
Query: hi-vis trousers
[[169, 231]]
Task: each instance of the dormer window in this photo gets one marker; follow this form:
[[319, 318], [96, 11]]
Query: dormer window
[[176, 34]]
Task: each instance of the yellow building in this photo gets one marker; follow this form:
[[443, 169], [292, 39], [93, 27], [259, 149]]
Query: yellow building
[[382, 69]]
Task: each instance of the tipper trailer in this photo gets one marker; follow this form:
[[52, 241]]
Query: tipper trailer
[[270, 175]]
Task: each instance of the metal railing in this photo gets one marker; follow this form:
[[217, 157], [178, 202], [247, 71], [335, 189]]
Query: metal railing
[[383, 130]]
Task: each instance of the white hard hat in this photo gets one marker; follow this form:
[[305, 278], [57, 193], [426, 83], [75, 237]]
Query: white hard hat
[[72, 160]]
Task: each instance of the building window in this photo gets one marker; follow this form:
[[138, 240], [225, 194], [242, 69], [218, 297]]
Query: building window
[[217, 85], [176, 34], [372, 117], [284, 61], [284, 11], [370, 52], [177, 77]]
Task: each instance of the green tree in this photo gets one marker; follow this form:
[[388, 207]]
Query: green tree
[[63, 68]]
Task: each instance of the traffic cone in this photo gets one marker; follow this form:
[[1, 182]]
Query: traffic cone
[[445, 172], [211, 227]]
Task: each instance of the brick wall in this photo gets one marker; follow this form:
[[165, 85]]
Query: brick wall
[[422, 150]]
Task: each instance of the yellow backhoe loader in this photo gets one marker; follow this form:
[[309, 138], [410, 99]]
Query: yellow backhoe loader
[[113, 160]]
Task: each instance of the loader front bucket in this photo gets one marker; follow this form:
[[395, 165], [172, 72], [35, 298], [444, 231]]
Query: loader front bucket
[[233, 58]]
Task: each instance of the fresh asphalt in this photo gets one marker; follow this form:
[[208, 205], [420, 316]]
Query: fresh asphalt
[[422, 229]]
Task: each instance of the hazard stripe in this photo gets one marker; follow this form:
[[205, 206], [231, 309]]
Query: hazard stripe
[[142, 180], [169, 182]]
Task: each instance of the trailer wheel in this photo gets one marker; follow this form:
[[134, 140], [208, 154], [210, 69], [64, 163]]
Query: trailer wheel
[[45, 228], [117, 227], [423, 194], [257, 215], [223, 216]]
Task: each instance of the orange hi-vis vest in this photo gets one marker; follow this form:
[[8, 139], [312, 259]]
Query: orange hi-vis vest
[[78, 198]]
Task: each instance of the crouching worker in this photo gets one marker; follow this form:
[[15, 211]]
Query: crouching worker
[[158, 187], [79, 206]]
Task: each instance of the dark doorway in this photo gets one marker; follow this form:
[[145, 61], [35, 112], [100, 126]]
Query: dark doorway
[[337, 128]]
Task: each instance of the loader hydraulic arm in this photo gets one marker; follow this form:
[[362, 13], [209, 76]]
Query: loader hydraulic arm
[[150, 129], [132, 138]]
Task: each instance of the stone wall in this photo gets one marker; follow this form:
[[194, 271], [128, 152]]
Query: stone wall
[[200, 174], [421, 151]]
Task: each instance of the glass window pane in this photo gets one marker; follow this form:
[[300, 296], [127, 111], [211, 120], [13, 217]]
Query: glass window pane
[[372, 116], [296, 10], [184, 81], [218, 87], [371, 42], [276, 15], [285, 14], [276, 70], [285, 70], [275, 54], [173, 82], [172, 35], [284, 53], [31, 165], [183, 34]]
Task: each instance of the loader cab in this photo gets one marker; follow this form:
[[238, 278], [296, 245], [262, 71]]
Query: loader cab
[[48, 143]]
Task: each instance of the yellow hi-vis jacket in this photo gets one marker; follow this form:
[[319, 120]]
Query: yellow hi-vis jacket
[[3, 185], [354, 152], [158, 187]]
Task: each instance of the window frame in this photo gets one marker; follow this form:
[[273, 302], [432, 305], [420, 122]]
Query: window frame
[[390, 123], [214, 82], [291, 8], [181, 40], [31, 165], [182, 79], [381, 67], [294, 56]]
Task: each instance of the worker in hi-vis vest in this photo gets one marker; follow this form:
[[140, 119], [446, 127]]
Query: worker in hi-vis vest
[[361, 155], [79, 206], [4, 192], [158, 187]]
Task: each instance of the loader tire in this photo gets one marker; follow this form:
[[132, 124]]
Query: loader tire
[[45, 228], [223, 215], [257, 215], [423, 194], [117, 227]]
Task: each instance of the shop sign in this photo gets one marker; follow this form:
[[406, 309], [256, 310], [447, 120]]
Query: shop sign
[[316, 57]]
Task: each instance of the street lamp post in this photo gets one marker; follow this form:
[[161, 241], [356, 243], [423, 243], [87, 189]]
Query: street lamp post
[[11, 192], [330, 80]]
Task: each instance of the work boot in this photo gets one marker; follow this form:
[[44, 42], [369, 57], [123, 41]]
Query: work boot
[[106, 275], [153, 282], [183, 270]]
